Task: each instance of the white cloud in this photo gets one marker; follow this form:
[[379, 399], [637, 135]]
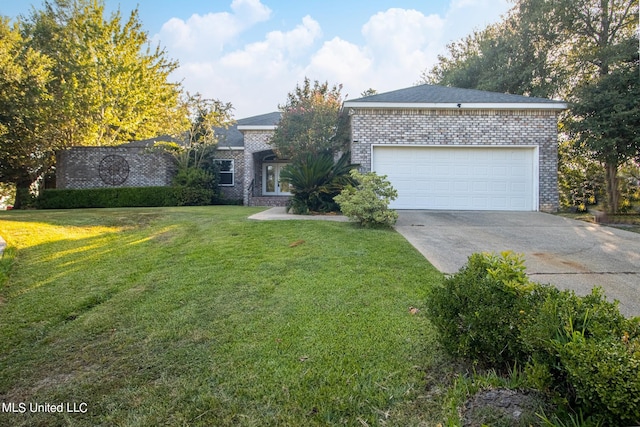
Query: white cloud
[[339, 61], [251, 10], [203, 35], [397, 32], [277, 46], [403, 43], [398, 44], [258, 76]]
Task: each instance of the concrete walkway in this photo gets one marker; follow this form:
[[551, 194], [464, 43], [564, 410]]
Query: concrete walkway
[[275, 214], [563, 252]]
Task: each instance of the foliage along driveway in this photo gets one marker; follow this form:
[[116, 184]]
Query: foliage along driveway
[[567, 253]]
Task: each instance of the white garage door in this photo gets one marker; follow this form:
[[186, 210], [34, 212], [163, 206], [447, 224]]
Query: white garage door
[[460, 178]]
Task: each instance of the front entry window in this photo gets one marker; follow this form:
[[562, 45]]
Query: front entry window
[[271, 184]]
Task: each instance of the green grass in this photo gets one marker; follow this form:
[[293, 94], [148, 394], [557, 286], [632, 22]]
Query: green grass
[[199, 316]]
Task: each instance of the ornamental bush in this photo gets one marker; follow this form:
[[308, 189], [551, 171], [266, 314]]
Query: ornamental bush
[[477, 310], [315, 180], [605, 375], [579, 349], [368, 202], [589, 354]]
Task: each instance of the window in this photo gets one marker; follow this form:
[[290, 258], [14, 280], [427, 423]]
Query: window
[[226, 172]]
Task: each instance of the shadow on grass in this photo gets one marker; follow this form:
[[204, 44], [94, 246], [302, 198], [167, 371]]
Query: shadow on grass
[[201, 317]]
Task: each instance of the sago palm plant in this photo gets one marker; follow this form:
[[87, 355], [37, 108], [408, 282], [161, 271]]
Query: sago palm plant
[[315, 180]]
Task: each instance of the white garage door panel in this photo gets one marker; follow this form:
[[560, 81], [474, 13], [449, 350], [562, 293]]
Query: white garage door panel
[[460, 178]]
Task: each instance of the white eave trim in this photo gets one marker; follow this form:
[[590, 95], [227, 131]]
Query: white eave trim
[[254, 127], [462, 106], [229, 148]]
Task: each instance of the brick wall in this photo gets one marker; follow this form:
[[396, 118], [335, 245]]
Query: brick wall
[[104, 167], [235, 192], [254, 142], [462, 127]]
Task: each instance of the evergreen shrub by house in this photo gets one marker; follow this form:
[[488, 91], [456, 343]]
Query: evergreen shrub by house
[[368, 201], [580, 350], [195, 187]]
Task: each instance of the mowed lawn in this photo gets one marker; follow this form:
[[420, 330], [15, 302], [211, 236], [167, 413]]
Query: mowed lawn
[[199, 316]]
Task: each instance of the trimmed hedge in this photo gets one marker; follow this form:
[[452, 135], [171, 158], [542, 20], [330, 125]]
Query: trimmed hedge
[[124, 197]]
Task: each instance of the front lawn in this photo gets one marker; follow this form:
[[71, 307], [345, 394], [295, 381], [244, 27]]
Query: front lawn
[[199, 316]]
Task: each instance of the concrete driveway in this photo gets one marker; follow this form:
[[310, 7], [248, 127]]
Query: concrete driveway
[[566, 253]]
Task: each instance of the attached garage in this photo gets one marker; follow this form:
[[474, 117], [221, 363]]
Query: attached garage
[[460, 178], [449, 148]]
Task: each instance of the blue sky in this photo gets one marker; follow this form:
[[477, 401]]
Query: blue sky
[[253, 52]]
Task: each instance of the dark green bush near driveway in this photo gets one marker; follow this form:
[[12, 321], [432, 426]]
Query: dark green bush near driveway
[[584, 350], [477, 313], [579, 350]]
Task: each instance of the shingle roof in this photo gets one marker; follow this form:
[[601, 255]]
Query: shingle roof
[[432, 94], [269, 119], [232, 137]]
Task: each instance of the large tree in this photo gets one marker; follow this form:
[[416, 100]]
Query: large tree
[[201, 117], [606, 117], [109, 85], [25, 109], [512, 56], [601, 54], [313, 122]]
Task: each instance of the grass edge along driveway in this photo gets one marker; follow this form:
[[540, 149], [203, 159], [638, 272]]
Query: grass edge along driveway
[[198, 316]]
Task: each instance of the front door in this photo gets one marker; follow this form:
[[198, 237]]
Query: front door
[[271, 185]]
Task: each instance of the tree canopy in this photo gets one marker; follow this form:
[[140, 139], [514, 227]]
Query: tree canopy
[[313, 122], [606, 117], [109, 85], [25, 146]]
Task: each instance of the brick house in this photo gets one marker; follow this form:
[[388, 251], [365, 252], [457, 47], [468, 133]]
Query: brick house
[[441, 148]]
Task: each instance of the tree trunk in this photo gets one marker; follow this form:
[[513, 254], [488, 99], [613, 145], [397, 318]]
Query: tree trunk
[[613, 193], [23, 185]]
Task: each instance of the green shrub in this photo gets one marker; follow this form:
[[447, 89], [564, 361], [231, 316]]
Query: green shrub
[[190, 196], [195, 178], [585, 350], [368, 202], [477, 311], [556, 315], [124, 197], [580, 349], [107, 198], [605, 374]]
